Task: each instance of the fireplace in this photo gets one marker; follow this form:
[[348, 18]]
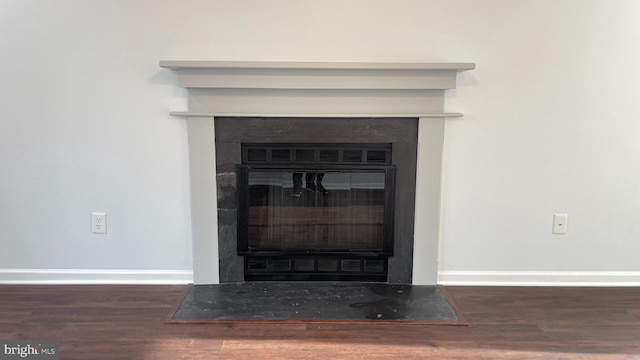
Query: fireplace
[[385, 119], [316, 211]]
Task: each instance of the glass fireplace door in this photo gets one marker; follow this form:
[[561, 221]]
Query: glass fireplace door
[[315, 211], [311, 211]]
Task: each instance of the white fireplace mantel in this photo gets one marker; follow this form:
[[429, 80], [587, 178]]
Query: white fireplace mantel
[[327, 89], [315, 89]]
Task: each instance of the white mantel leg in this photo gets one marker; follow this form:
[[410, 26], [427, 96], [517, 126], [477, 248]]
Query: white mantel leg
[[204, 203], [427, 223]]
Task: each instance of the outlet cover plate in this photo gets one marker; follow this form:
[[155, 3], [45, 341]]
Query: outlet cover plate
[[560, 223], [99, 223]]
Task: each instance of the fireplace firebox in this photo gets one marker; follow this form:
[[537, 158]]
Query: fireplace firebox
[[312, 211]]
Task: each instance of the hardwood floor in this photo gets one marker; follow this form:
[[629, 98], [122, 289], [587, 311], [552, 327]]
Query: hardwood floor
[[126, 322]]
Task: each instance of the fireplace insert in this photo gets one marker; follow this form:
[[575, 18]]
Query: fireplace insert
[[315, 211]]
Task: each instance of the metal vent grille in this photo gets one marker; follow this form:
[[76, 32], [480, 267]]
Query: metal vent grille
[[320, 154]]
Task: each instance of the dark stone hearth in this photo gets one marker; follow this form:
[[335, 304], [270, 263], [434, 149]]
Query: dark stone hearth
[[316, 302], [401, 133]]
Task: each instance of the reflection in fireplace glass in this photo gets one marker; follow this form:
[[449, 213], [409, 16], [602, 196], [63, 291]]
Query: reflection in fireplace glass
[[299, 210]]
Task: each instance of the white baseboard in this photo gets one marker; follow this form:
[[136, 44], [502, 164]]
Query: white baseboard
[[448, 277], [91, 276], [539, 278]]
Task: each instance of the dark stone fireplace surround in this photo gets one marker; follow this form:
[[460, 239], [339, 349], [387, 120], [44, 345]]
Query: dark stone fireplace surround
[[231, 132]]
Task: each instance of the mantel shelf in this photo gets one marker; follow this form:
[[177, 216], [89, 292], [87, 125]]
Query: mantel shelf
[[377, 115], [272, 65]]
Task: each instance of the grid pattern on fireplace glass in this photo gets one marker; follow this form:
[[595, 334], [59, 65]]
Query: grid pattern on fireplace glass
[[310, 153]]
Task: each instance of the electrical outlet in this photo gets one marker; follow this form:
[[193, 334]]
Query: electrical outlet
[[560, 223], [99, 223]]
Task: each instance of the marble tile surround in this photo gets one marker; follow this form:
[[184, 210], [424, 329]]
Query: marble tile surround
[[401, 133]]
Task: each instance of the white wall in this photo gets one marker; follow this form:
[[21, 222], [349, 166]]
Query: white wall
[[551, 123]]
